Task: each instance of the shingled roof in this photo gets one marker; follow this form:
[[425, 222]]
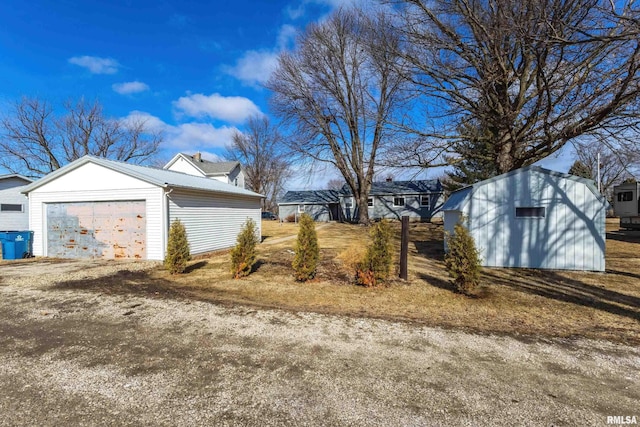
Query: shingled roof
[[207, 167], [400, 187], [312, 197]]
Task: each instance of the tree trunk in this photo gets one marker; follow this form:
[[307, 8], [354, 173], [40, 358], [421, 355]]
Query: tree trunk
[[363, 208]]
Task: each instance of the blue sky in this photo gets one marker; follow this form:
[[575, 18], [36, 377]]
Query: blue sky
[[192, 69]]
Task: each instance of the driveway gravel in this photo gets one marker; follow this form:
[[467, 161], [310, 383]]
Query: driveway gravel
[[79, 357]]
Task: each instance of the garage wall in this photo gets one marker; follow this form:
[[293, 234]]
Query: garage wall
[[213, 221], [93, 183]]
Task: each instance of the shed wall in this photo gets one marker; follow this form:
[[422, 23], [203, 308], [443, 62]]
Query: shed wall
[[212, 221], [570, 236]]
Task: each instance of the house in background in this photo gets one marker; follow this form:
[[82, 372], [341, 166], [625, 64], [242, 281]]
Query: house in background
[[227, 172], [321, 205], [418, 199], [533, 218], [14, 206], [99, 208]]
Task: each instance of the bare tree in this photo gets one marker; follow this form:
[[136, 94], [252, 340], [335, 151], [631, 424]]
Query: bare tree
[[260, 151], [533, 74], [335, 184], [342, 91], [616, 165], [35, 141]]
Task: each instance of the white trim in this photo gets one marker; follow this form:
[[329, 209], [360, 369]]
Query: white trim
[[428, 197], [303, 206], [370, 206], [404, 201]]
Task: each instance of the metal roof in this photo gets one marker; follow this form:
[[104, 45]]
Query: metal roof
[[312, 197], [159, 177], [459, 198]]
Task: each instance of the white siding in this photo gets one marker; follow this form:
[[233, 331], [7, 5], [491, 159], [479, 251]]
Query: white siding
[[182, 165], [570, 236], [213, 221], [93, 183], [14, 221]]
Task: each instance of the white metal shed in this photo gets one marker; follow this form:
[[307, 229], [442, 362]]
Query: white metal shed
[[533, 218], [98, 208]]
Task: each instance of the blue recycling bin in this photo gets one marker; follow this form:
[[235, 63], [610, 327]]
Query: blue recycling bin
[[16, 244]]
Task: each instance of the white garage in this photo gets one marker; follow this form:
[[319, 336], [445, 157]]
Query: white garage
[[98, 208]]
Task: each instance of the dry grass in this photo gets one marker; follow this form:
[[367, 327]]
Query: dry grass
[[511, 301]]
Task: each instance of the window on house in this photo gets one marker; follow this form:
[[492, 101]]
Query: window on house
[[625, 196], [370, 202], [236, 182], [300, 208], [398, 201], [425, 201], [530, 212], [348, 203], [7, 207]]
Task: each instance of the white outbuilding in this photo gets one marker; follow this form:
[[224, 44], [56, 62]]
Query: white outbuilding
[[533, 218], [99, 208]]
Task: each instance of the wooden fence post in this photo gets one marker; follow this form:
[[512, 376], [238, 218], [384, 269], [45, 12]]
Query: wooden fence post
[[404, 248]]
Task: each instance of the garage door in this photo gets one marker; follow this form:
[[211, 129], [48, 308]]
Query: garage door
[[112, 230]]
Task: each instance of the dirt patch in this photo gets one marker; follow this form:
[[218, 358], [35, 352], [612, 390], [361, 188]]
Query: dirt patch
[[73, 356]]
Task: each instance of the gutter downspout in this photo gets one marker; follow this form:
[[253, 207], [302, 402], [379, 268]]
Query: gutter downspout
[[165, 219]]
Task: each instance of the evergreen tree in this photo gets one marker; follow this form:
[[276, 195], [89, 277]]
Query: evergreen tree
[[580, 169], [379, 256], [177, 249], [243, 255], [462, 260], [307, 251], [475, 160]]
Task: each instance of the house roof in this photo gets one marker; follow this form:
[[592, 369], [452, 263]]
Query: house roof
[[160, 177], [400, 187], [205, 166], [459, 198], [313, 197], [16, 175]]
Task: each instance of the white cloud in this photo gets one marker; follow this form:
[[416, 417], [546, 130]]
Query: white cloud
[[234, 109], [128, 88], [299, 10], [186, 136], [254, 67], [96, 65]]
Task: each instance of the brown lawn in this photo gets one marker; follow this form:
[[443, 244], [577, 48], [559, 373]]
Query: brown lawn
[[511, 301]]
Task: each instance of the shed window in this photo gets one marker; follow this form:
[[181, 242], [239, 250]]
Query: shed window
[[348, 203], [625, 196], [6, 207], [532, 212], [300, 208], [425, 201], [398, 201], [370, 202]]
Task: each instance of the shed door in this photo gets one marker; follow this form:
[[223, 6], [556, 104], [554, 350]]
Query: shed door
[[97, 230]]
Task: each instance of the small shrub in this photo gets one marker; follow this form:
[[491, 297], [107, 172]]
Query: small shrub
[[307, 251], [243, 255], [290, 218], [462, 260], [177, 249], [376, 265]]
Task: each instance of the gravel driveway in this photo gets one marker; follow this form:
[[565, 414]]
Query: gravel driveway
[[74, 357]]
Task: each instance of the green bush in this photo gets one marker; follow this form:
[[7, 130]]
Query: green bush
[[243, 255], [462, 260], [177, 249], [376, 266], [307, 251]]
